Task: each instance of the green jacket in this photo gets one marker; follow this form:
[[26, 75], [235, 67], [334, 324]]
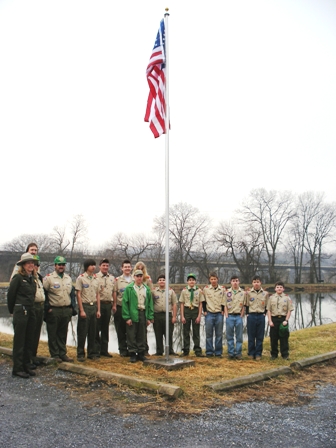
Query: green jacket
[[22, 290], [130, 304]]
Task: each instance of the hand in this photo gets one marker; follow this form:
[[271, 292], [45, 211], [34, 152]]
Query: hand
[[198, 319], [173, 320], [82, 314], [284, 322], [205, 313], [129, 322], [50, 310], [271, 324], [114, 309], [183, 320], [148, 322], [98, 314]]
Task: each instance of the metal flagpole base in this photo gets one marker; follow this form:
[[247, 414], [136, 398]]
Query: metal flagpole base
[[170, 363]]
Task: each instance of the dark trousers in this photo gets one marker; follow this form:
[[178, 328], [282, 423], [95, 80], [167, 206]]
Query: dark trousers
[[103, 328], [39, 312], [120, 326], [24, 324], [255, 333], [86, 328], [190, 317], [136, 335], [275, 337], [57, 321], [160, 332]]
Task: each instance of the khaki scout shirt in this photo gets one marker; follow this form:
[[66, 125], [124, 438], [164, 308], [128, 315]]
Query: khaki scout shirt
[[234, 301], [185, 297], [279, 305], [106, 285], [214, 298], [141, 293], [88, 286], [159, 297], [39, 297], [58, 288], [256, 300], [119, 287]]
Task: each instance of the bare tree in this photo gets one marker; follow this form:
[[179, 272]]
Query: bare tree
[[60, 241], [77, 241], [20, 243]]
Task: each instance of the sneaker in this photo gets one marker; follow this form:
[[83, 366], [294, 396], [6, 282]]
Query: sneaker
[[210, 356], [239, 357], [133, 358], [218, 356]]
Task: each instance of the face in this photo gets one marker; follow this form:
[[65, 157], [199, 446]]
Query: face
[[214, 281], [191, 282], [256, 284], [32, 250], [235, 283], [162, 283], [60, 268], [28, 266], [36, 268], [126, 269], [91, 269], [104, 267], [279, 289], [138, 279]]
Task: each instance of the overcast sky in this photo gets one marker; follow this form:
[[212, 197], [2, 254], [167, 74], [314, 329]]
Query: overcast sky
[[252, 99]]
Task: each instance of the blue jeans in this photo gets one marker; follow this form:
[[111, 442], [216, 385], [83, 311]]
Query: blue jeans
[[255, 333], [234, 324], [214, 321]]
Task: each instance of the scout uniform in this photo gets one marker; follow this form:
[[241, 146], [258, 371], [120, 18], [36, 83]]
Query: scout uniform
[[86, 326], [58, 312], [39, 312], [279, 305], [213, 306], [159, 325], [191, 298], [120, 324], [106, 286], [137, 306], [234, 303], [255, 302]]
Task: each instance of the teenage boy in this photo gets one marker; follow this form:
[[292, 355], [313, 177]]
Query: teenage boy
[[191, 299], [119, 288], [106, 285], [234, 311], [137, 311], [279, 309], [159, 296], [256, 302], [213, 309], [87, 290]]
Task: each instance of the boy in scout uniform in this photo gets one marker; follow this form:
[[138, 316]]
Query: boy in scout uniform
[[119, 287], [255, 303], [106, 285], [213, 308], [58, 309], [191, 299], [87, 290], [159, 296], [138, 312], [234, 300], [279, 309]]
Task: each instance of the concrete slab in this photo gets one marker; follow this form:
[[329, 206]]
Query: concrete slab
[[170, 364]]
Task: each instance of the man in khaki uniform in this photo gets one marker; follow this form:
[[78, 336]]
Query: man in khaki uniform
[[106, 286], [279, 309], [255, 303], [119, 288], [191, 299], [234, 311], [58, 286], [159, 296], [213, 309], [87, 290]]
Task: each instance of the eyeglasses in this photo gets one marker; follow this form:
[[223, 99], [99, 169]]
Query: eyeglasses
[[61, 264]]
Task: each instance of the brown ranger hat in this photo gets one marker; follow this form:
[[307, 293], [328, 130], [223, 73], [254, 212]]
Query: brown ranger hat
[[26, 257]]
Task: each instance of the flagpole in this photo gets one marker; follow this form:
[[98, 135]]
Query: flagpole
[[167, 121]]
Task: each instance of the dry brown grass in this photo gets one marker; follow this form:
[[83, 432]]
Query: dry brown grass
[[294, 389]]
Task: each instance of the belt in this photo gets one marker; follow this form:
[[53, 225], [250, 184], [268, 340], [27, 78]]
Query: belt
[[234, 314], [256, 313], [65, 306], [89, 303], [106, 301], [39, 303], [279, 317]]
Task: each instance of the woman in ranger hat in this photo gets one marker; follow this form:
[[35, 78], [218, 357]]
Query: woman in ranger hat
[[20, 301]]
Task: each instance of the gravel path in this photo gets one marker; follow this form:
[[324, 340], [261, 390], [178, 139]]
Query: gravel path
[[35, 413]]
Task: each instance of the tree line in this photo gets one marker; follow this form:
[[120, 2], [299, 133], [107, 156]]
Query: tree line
[[269, 227]]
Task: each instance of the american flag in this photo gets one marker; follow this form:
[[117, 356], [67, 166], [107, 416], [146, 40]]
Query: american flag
[[156, 106]]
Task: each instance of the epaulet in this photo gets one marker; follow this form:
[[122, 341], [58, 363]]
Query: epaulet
[[171, 289], [185, 287], [82, 275], [94, 276], [206, 286], [116, 278], [47, 275]]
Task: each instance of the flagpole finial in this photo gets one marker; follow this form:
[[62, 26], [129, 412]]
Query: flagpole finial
[[167, 12]]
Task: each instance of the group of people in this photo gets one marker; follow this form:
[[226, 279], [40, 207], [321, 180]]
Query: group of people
[[136, 303]]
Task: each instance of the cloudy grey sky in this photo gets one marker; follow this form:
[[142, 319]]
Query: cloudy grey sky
[[252, 98]]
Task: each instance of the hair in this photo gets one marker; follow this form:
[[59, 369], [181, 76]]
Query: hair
[[31, 245], [234, 277], [213, 274], [143, 269], [280, 284], [89, 262], [104, 260], [257, 277], [125, 262], [22, 271], [161, 276]]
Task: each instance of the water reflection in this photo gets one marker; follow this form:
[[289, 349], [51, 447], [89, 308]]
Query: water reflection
[[310, 310]]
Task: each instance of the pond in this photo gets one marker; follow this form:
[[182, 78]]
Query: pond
[[309, 310]]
